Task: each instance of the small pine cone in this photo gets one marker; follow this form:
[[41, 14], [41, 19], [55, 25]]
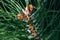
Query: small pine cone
[[34, 34], [31, 27], [20, 16]]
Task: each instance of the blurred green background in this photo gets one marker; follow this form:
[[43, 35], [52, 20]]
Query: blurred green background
[[46, 19]]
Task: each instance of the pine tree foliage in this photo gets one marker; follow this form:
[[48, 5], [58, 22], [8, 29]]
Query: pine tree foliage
[[46, 19]]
